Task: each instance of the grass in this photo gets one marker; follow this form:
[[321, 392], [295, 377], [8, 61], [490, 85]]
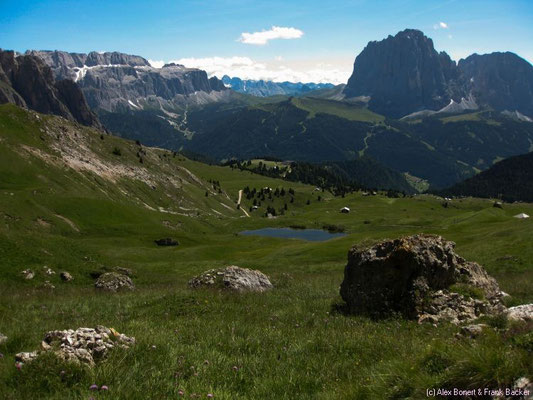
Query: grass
[[339, 109], [289, 343]]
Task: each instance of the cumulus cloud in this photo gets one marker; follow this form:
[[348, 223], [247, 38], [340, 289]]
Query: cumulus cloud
[[440, 25], [276, 32], [273, 70]]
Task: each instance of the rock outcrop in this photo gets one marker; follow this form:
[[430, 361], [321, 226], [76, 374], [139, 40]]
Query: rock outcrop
[[113, 282], [28, 82], [233, 278], [419, 277], [81, 346]]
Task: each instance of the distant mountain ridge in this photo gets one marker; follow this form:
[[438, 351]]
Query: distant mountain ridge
[[264, 88], [117, 82], [404, 74], [25, 80]]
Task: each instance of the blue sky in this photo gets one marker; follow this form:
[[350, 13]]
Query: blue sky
[[316, 40]]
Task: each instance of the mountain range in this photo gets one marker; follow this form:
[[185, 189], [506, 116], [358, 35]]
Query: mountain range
[[408, 107], [264, 88], [404, 74], [116, 82]]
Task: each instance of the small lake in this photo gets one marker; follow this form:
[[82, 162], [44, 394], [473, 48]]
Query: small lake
[[314, 235]]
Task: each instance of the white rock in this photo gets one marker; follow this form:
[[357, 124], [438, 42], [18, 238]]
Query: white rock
[[523, 312]]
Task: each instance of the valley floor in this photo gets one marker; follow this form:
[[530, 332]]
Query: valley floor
[[293, 342], [289, 343]]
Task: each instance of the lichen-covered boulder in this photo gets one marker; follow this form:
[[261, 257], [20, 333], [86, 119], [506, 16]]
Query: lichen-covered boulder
[[82, 346], [419, 277], [233, 278], [113, 282]]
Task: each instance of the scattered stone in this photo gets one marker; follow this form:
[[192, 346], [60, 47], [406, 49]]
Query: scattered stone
[[233, 278], [166, 242], [48, 271], [26, 356], [3, 338], [48, 285], [28, 274], [65, 276], [523, 313], [523, 388], [472, 331], [498, 204], [81, 346], [415, 277], [113, 281]]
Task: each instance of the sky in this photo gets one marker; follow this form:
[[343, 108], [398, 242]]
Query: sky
[[294, 40]]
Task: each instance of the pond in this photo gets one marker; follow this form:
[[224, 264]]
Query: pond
[[314, 235]]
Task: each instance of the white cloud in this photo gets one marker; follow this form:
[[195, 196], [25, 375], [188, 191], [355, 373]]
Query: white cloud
[[156, 64], [276, 32], [440, 25], [277, 70]]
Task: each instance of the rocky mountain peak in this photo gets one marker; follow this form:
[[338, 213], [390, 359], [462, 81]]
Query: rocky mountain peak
[[402, 74], [502, 80]]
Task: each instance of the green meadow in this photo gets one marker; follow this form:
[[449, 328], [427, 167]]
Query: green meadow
[[294, 342]]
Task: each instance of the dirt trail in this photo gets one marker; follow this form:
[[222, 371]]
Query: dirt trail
[[239, 203]]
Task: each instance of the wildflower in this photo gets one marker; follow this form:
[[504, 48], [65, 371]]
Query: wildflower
[[1, 356], [18, 365], [180, 392], [210, 395], [104, 387], [235, 368], [93, 387]]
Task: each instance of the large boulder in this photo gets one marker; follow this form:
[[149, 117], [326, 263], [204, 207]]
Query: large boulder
[[419, 277], [233, 278], [523, 312], [113, 282], [81, 346]]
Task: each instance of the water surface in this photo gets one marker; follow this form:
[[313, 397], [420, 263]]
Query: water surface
[[314, 235]]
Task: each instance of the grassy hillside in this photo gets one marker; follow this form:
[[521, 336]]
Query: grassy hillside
[[510, 180], [343, 110], [73, 201]]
